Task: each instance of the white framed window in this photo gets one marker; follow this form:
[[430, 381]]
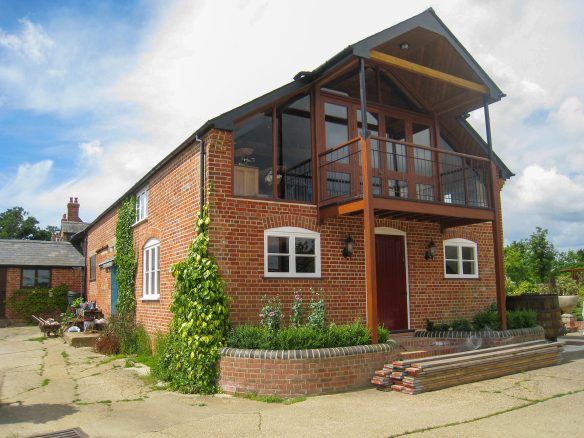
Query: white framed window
[[460, 259], [151, 270], [291, 252], [142, 205]]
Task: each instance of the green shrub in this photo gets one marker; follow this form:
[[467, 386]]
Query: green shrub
[[461, 325], [304, 337], [382, 334], [40, 302], [565, 285], [249, 336], [486, 319], [132, 338], [161, 346], [517, 319], [429, 325]]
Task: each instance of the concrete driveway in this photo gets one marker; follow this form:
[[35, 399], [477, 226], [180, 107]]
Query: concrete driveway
[[49, 386]]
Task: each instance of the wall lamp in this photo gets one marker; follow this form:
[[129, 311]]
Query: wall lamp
[[349, 248], [431, 250], [404, 46]]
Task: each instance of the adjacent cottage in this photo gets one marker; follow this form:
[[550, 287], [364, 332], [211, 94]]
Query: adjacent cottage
[[397, 219], [30, 264]]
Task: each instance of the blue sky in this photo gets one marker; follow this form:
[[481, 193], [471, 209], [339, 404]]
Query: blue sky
[[93, 94]]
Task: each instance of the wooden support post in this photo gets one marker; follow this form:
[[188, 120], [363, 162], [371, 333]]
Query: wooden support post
[[496, 225], [369, 237]]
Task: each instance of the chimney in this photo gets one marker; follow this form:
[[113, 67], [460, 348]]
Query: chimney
[[73, 211]]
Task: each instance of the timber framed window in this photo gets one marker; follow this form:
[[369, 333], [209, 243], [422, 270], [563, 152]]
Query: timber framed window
[[460, 259], [92, 267], [35, 277], [151, 270], [291, 252], [142, 205]]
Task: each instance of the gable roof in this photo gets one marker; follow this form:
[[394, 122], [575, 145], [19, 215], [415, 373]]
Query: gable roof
[[39, 253], [226, 121]]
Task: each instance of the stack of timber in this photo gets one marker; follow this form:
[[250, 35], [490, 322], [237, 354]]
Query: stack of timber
[[414, 376]]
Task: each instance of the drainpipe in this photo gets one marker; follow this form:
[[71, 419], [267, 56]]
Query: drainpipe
[[201, 173]]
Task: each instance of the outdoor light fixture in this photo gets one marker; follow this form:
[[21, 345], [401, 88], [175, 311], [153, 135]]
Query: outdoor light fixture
[[430, 250], [404, 46], [349, 248]]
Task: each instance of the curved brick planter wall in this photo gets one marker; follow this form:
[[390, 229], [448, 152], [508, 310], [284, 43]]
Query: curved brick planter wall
[[486, 338], [302, 372]]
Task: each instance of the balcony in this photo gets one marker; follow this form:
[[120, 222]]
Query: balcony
[[408, 182]]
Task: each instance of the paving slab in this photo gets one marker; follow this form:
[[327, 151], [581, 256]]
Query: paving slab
[[49, 386]]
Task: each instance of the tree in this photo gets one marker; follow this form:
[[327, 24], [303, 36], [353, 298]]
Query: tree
[[541, 256], [15, 223], [534, 260], [516, 266]]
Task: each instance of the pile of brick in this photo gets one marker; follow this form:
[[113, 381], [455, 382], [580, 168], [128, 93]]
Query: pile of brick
[[413, 376]]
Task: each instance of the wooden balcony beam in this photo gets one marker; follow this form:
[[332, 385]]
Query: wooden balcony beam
[[428, 72]]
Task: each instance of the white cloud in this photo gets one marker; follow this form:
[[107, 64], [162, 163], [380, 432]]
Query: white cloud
[[32, 42], [91, 149], [22, 188], [570, 115]]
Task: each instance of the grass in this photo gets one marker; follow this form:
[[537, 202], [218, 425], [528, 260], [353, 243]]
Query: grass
[[40, 339], [272, 398], [46, 382], [112, 358]]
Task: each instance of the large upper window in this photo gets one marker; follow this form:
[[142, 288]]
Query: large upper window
[[273, 153], [36, 278], [291, 252], [151, 271], [460, 259], [142, 205]]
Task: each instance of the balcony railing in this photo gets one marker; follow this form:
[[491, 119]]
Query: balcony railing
[[405, 171]]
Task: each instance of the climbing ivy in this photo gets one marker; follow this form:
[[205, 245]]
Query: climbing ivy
[[125, 259], [200, 318]]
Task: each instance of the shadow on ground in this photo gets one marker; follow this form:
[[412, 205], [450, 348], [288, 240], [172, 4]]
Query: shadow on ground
[[37, 414]]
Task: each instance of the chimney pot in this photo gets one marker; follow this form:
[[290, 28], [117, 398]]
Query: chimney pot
[[73, 211]]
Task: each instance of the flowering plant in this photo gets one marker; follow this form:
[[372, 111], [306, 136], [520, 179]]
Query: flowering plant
[[297, 309], [271, 313], [317, 309]]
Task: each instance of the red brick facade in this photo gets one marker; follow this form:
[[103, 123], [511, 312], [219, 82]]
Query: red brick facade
[[173, 202], [237, 242], [72, 277]]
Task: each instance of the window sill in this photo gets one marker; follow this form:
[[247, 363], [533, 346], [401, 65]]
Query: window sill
[[290, 277], [462, 278], [151, 298], [135, 224]]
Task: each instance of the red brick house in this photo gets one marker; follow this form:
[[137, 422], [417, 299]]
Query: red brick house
[[397, 221], [28, 264]]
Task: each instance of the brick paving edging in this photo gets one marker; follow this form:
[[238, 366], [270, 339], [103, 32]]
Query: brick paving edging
[[302, 372], [306, 354], [483, 334]]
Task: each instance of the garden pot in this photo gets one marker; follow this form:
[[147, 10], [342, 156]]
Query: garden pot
[[568, 302]]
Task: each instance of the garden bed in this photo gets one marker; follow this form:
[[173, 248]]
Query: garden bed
[[302, 372], [330, 370]]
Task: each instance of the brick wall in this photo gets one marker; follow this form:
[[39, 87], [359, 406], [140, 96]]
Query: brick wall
[[306, 376], [237, 243], [72, 277], [173, 201]]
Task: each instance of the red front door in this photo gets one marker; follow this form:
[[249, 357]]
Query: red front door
[[392, 306]]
